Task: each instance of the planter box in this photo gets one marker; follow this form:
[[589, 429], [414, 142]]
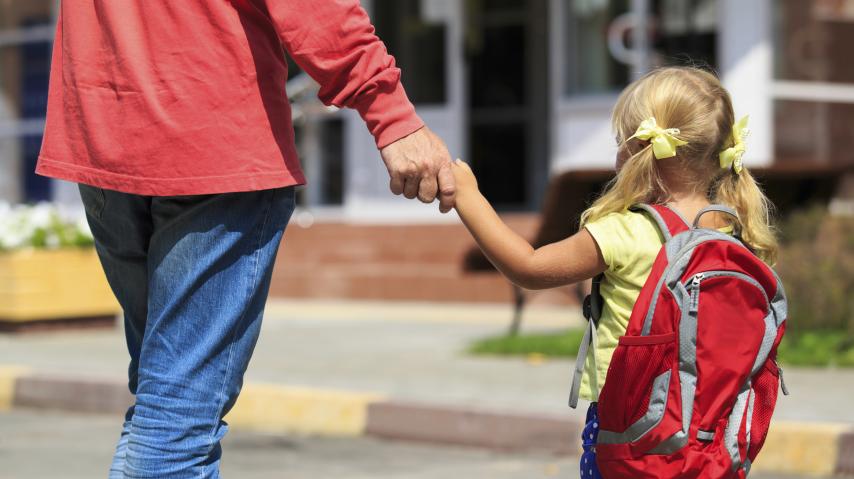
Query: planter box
[[40, 286]]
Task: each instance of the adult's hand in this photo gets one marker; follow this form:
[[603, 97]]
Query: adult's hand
[[419, 165]]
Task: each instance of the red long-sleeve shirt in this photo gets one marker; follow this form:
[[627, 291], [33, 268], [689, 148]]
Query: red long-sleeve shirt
[[188, 97]]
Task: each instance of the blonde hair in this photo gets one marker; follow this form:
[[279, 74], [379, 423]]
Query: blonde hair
[[695, 102]]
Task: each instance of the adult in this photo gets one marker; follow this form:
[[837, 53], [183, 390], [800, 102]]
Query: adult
[[173, 118]]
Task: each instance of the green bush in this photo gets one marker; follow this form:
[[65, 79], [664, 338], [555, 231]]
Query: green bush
[[817, 267]]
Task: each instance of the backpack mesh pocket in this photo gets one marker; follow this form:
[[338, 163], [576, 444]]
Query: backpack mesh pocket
[[636, 362], [765, 386]]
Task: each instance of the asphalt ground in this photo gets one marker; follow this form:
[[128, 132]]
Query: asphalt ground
[[46, 444]]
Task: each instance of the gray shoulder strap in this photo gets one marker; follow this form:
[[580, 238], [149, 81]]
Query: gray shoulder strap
[[679, 215], [662, 226], [720, 209], [592, 312], [584, 347]]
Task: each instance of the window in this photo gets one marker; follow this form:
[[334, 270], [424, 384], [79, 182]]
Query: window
[[589, 67], [685, 32], [814, 81], [26, 36], [600, 54], [808, 36]]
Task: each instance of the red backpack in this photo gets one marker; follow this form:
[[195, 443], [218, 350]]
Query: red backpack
[[692, 384]]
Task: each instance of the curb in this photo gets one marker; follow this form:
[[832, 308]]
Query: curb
[[467, 427], [812, 449], [9, 376]]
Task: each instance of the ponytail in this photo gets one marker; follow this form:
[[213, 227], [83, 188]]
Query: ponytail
[[692, 107], [741, 192]]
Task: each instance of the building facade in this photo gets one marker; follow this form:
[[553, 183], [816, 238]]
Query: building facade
[[521, 89]]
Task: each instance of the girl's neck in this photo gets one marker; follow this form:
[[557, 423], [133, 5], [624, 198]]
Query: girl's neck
[[689, 204], [684, 196], [688, 199]]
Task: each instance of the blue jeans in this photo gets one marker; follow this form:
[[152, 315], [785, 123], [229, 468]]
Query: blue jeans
[[192, 274]]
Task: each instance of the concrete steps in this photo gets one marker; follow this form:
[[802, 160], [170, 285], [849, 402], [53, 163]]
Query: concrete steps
[[394, 262]]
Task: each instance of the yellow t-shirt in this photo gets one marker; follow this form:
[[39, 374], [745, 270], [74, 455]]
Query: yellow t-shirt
[[629, 243]]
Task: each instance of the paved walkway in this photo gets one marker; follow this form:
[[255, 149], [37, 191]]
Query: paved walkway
[[39, 444], [408, 351]]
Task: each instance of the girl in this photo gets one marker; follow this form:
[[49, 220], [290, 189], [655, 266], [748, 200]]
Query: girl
[[679, 145]]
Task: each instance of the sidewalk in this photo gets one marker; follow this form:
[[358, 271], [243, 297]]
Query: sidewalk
[[26, 443], [407, 361]]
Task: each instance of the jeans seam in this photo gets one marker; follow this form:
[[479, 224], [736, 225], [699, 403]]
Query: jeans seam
[[239, 322], [103, 197]]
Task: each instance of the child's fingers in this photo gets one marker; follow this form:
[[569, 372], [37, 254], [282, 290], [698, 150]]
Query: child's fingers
[[462, 164], [447, 189]]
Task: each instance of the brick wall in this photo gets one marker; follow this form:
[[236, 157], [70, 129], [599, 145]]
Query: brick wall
[[394, 262]]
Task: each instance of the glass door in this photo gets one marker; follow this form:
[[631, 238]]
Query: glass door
[[506, 55]]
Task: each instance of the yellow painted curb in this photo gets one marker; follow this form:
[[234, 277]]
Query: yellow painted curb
[[272, 408], [801, 448], [8, 376]]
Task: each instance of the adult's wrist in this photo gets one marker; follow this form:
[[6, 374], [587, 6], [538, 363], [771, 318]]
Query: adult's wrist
[[389, 115]]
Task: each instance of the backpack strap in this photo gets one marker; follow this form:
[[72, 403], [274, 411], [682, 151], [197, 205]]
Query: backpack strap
[[720, 209], [669, 221], [592, 310]]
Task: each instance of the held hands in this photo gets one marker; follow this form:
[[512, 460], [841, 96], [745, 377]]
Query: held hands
[[464, 178], [419, 165]]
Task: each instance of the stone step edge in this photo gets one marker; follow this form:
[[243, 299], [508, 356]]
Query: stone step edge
[[813, 449]]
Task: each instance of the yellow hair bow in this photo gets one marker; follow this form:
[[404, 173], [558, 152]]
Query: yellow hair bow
[[731, 157], [664, 141]]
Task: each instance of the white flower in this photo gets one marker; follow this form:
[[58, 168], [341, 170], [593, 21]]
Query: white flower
[[52, 240], [42, 215], [84, 229], [42, 225]]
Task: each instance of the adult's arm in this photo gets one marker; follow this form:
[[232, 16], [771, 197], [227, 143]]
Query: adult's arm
[[335, 43]]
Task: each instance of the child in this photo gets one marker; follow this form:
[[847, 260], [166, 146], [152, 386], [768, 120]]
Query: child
[[678, 145]]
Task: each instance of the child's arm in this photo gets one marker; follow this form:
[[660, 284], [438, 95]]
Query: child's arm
[[571, 260]]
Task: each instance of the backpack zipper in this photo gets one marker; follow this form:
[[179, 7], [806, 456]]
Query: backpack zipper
[[685, 249], [699, 277], [782, 381]]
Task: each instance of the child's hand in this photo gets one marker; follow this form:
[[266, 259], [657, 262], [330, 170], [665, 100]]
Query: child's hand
[[464, 177]]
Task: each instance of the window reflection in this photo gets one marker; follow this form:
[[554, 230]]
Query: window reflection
[[589, 67], [679, 32]]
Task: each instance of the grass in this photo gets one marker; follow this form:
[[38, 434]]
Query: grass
[[817, 348], [814, 348], [559, 344]]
